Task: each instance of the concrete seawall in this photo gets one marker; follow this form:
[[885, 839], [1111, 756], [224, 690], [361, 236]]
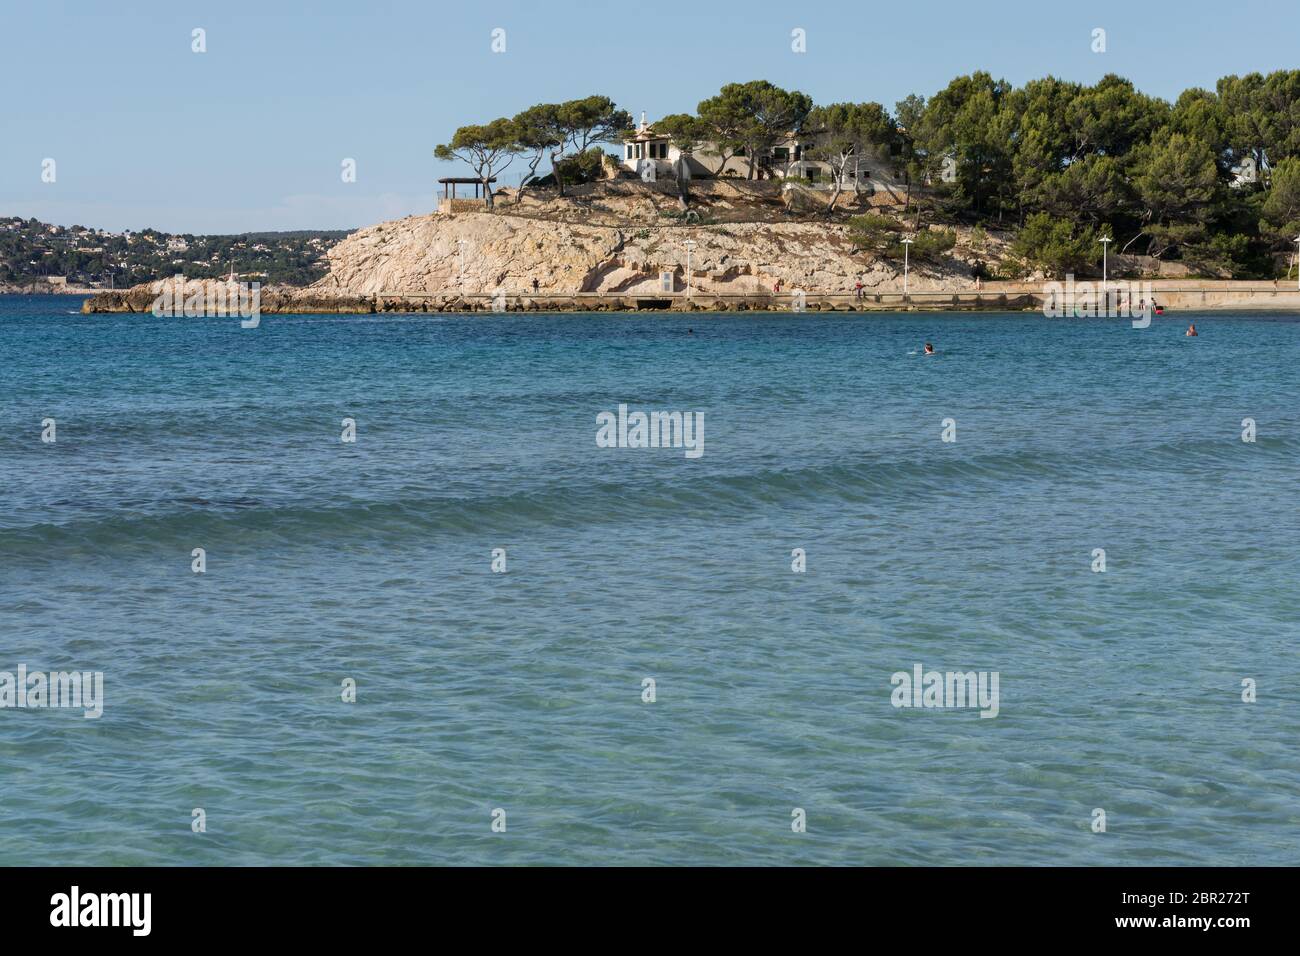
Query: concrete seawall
[[1174, 295], [1198, 295], [705, 302]]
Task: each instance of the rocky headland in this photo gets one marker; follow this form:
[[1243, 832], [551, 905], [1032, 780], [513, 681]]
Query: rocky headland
[[623, 246], [595, 247]]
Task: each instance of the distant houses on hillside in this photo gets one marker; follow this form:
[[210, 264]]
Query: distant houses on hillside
[[33, 252]]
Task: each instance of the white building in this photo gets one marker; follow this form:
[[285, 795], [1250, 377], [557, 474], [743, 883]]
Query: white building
[[652, 156], [648, 153], [177, 244]]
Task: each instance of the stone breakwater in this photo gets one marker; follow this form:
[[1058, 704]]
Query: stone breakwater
[[994, 297], [295, 302], [214, 297], [274, 299]]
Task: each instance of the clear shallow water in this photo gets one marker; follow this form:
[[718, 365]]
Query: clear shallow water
[[523, 690]]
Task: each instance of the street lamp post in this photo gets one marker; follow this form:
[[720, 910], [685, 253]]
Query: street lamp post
[[1105, 295], [1297, 262], [907, 247], [690, 244]]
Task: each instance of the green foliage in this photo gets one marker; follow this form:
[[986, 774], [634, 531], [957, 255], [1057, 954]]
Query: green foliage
[[1262, 114], [560, 131], [1175, 179], [1109, 156], [883, 236], [909, 111], [752, 117], [845, 132], [875, 233], [688, 132], [573, 127], [538, 127], [847, 129], [915, 161], [1092, 188], [538, 131], [1281, 210], [1055, 246], [933, 243], [591, 120], [1222, 255], [584, 167], [1199, 115], [973, 121], [488, 150]]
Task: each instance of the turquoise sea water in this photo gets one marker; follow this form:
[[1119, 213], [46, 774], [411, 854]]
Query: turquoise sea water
[[523, 691]]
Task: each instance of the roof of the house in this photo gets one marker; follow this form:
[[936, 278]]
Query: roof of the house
[[644, 134]]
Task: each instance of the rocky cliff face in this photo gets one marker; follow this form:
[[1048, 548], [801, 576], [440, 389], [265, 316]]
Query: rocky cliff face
[[497, 253]]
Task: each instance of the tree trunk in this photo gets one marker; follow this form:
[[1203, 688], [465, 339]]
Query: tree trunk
[[1142, 231], [555, 170], [834, 197], [857, 180], [724, 158], [837, 181], [532, 174]]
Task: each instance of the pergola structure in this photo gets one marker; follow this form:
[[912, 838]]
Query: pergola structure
[[450, 183]]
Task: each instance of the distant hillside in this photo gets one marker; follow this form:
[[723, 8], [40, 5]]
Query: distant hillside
[[31, 250]]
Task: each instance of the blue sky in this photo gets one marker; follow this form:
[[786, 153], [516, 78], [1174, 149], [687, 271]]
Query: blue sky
[[251, 134]]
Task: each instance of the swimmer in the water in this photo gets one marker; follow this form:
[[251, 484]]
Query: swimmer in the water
[[690, 331], [1191, 329], [929, 349]]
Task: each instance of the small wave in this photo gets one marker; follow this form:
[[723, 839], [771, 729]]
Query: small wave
[[652, 495]]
